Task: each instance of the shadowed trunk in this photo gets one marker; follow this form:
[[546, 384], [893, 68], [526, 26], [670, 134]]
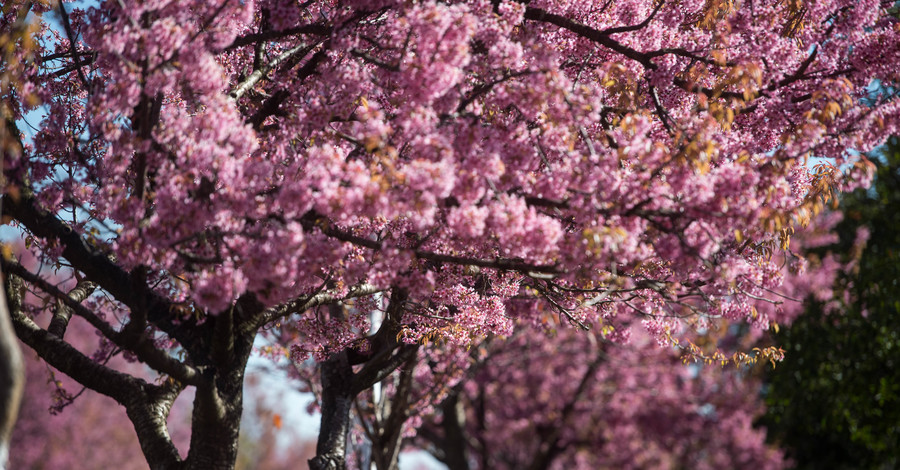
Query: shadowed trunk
[[340, 385], [388, 438], [455, 448], [337, 401], [216, 420], [12, 380]]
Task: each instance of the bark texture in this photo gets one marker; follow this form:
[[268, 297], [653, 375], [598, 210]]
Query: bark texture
[[12, 380]]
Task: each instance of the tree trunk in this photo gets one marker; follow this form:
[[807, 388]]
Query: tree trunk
[[12, 379], [215, 427], [454, 422], [216, 419], [337, 401], [388, 437]]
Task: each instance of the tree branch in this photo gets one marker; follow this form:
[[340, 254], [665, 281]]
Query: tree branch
[[304, 303], [98, 268], [63, 313], [483, 88], [310, 221], [377, 370], [139, 344], [587, 32], [271, 105], [315, 29], [635, 27], [71, 36], [261, 72], [70, 361], [148, 413]]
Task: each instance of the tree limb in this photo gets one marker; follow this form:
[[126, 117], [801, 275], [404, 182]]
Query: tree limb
[[587, 32], [98, 268], [139, 344], [315, 29], [304, 303], [63, 313]]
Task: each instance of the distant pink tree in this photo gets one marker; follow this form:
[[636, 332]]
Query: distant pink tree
[[61, 423], [88, 433], [61, 426], [581, 403], [366, 179], [57, 429]]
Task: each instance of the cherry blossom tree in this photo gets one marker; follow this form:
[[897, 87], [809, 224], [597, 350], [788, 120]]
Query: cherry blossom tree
[[81, 430], [550, 397], [367, 178], [581, 402]]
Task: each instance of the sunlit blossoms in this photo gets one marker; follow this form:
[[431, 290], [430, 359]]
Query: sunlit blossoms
[[446, 169]]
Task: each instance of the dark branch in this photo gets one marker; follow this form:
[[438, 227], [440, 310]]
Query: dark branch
[[375, 372], [315, 29], [139, 344], [641, 25], [483, 88], [311, 221], [271, 106], [587, 32], [71, 36], [98, 268], [69, 360], [304, 303]]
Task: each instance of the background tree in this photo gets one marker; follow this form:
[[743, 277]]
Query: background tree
[[583, 399], [576, 402], [835, 401], [61, 425], [361, 178]]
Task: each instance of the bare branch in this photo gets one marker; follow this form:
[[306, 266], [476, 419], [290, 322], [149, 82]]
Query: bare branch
[[71, 35]]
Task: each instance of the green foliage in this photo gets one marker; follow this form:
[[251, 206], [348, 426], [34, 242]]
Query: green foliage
[[835, 400]]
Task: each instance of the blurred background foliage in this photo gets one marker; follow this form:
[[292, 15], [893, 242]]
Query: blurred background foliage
[[835, 400]]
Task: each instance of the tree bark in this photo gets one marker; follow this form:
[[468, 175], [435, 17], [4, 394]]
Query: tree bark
[[388, 440], [12, 379], [216, 420], [215, 425], [337, 401], [455, 448]]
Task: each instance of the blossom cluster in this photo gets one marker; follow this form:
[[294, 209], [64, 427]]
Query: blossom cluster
[[625, 163]]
